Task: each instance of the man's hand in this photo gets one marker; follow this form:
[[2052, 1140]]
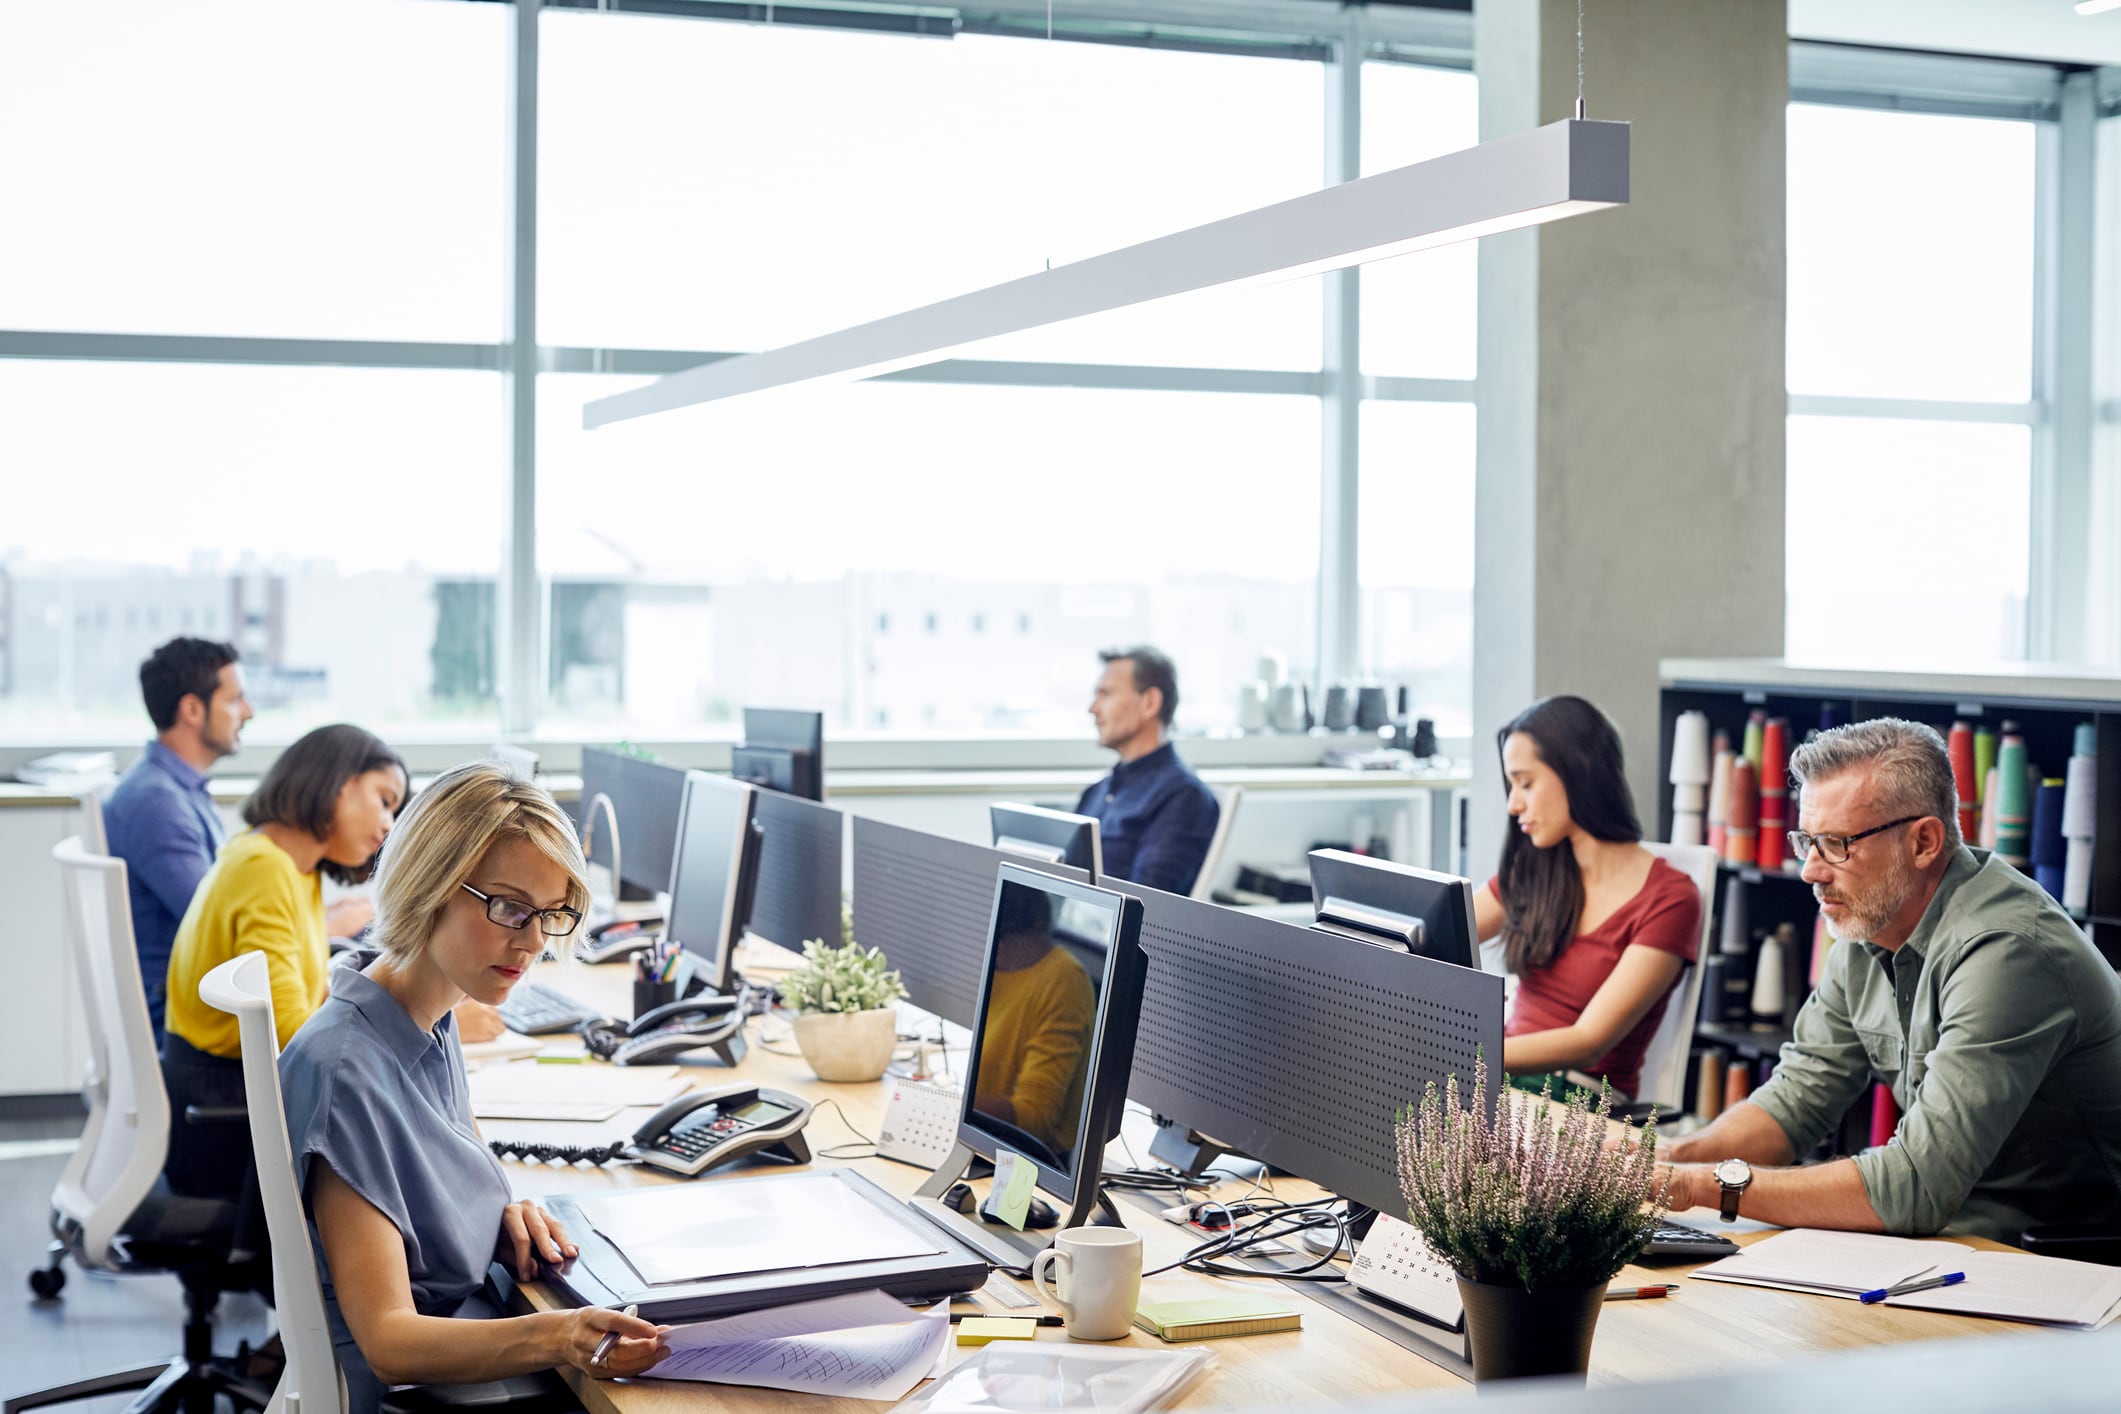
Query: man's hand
[[477, 1022], [1692, 1186], [349, 916]]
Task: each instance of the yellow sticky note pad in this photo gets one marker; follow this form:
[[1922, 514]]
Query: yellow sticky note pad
[[1015, 1179], [978, 1330]]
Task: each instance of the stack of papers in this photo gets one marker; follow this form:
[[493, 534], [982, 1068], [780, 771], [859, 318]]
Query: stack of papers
[[592, 1091], [864, 1346], [2010, 1286]]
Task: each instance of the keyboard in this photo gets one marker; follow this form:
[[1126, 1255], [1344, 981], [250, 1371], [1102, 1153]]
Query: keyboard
[[533, 1010], [1672, 1239]]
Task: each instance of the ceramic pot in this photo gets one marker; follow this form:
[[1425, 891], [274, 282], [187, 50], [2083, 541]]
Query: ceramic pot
[[1519, 1334], [847, 1045]]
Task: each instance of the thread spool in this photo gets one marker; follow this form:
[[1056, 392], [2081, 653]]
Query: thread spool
[[1708, 1085], [1741, 830], [1689, 776], [1288, 708], [1961, 749], [2079, 812], [1737, 1083], [1755, 735], [1273, 667], [1339, 708], [2048, 847], [1719, 813], [1984, 762], [1829, 716], [1372, 711], [1768, 985], [1991, 807], [1774, 793], [2014, 815], [1885, 1115], [1736, 937], [1252, 707]]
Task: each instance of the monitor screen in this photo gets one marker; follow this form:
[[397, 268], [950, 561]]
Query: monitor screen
[[706, 884], [645, 796], [1378, 901], [1035, 1048], [1053, 836]]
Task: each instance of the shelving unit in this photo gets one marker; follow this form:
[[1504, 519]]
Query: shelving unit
[[2047, 703]]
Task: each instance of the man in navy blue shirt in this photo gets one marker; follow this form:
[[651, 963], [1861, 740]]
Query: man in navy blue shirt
[[160, 819], [1154, 815]]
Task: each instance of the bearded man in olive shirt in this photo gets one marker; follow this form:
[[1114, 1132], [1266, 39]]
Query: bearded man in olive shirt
[[1955, 980]]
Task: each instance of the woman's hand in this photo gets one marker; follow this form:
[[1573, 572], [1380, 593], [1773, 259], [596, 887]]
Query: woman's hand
[[640, 1345], [478, 1022], [530, 1235]]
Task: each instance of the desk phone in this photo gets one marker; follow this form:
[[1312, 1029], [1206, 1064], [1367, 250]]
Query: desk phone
[[1395, 1262], [706, 1128], [660, 1036], [621, 937]]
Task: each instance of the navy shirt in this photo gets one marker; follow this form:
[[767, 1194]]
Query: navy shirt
[[1155, 819], [160, 819], [386, 1105]]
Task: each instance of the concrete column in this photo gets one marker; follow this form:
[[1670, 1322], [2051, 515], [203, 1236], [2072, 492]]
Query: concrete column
[[1629, 505]]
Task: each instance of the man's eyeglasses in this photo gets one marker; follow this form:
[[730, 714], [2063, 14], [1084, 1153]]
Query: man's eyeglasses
[[514, 913], [1834, 849]]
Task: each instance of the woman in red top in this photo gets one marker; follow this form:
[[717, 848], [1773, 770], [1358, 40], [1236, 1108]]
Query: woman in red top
[[1596, 928]]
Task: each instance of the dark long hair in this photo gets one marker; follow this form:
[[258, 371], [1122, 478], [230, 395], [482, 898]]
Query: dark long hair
[[302, 788], [1542, 889]]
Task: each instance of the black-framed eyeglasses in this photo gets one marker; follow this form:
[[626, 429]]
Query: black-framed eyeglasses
[[514, 913], [1834, 849]]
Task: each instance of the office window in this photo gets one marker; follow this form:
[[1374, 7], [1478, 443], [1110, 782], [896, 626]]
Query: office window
[[1910, 255], [1418, 310], [1416, 555], [725, 186], [2103, 593], [251, 167], [744, 553], [341, 526], [1907, 541]]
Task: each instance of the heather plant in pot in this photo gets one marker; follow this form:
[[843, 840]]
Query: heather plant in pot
[[1532, 1211]]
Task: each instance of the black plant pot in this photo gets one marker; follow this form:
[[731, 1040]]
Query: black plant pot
[[1518, 1334]]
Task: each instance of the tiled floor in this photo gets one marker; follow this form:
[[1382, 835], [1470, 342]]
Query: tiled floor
[[98, 1323]]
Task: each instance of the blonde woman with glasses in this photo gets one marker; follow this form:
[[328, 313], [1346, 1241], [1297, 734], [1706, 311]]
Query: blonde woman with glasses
[[409, 1205]]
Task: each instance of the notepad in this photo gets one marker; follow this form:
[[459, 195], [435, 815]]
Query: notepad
[[1844, 1264], [2019, 1286], [1216, 1318]]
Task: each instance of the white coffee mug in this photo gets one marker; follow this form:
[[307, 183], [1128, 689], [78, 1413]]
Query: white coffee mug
[[1101, 1270]]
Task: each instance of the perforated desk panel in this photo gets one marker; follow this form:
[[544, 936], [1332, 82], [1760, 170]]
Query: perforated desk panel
[[1301, 1048], [799, 871]]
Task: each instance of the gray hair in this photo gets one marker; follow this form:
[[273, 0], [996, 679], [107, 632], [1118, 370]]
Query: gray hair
[[1911, 772]]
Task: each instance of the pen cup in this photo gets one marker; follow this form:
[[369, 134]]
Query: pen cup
[[647, 996]]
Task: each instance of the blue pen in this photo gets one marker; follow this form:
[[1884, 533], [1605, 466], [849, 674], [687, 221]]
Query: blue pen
[[1872, 1298]]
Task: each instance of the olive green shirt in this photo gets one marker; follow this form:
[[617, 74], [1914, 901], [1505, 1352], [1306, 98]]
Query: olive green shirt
[[1998, 1027]]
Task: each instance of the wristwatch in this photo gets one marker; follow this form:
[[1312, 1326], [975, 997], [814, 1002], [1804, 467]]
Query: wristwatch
[[1732, 1176]]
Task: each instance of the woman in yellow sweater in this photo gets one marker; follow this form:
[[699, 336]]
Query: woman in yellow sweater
[[324, 808]]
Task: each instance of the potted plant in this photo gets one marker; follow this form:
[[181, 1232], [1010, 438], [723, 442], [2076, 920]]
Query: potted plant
[[1535, 1217], [845, 1023]]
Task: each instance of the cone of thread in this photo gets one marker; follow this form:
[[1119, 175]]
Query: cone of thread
[[1720, 793], [1773, 841], [2014, 812], [1961, 748], [1984, 762], [1740, 843]]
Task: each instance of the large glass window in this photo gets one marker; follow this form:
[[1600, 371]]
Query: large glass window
[[340, 526], [723, 186], [249, 167], [911, 558], [1416, 555], [1418, 310]]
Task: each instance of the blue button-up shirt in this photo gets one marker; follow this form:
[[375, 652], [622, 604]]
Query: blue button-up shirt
[[160, 819], [1155, 820], [385, 1104]]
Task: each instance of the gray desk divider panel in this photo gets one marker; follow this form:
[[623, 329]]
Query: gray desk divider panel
[[1300, 1048], [926, 901], [798, 894]]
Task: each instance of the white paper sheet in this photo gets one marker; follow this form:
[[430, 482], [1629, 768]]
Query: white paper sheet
[[708, 1230], [2019, 1286], [526, 1082], [1834, 1263], [866, 1362]]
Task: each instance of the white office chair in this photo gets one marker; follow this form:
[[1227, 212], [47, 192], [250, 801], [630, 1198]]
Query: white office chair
[[110, 1210], [89, 800], [1229, 798], [1664, 1063]]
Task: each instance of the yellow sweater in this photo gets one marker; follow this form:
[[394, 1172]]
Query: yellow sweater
[[252, 900], [1037, 1045]]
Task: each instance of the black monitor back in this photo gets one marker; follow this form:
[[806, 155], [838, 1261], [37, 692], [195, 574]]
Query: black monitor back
[[1395, 905], [783, 750], [926, 901], [799, 871], [646, 796], [1297, 1047]]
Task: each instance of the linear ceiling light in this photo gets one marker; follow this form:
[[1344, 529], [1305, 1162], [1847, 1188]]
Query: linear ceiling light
[[1559, 170]]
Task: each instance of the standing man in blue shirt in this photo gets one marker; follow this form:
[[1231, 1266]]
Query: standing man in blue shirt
[[160, 819], [1156, 818]]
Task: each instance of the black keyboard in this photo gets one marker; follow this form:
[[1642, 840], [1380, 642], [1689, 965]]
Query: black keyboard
[[1672, 1239], [534, 1010]]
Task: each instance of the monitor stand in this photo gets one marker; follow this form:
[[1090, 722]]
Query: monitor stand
[[1187, 1150], [997, 1242]]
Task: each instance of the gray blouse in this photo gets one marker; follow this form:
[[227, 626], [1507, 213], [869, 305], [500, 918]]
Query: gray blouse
[[385, 1104]]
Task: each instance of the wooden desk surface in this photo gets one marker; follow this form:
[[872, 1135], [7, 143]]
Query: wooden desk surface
[[1706, 1327]]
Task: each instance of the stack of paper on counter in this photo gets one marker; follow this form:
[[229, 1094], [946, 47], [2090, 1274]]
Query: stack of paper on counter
[[2010, 1286], [864, 1346]]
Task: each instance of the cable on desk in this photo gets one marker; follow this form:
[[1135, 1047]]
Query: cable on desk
[[533, 1151], [1269, 1222], [834, 1152]]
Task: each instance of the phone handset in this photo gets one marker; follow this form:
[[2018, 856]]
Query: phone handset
[[705, 1128], [670, 1031]]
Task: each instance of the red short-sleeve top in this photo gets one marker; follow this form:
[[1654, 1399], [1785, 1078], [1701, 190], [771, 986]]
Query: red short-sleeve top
[[1664, 914]]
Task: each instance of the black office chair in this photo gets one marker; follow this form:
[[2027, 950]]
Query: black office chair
[[111, 1210], [2080, 1242]]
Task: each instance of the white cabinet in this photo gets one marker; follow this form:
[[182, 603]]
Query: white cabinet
[[43, 1042]]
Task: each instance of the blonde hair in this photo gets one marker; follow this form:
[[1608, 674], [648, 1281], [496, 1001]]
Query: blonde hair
[[442, 839]]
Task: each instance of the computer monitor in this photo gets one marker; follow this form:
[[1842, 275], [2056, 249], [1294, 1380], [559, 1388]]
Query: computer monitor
[[1393, 905], [717, 870], [1052, 1046], [800, 876], [783, 750], [645, 798], [1054, 836]]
